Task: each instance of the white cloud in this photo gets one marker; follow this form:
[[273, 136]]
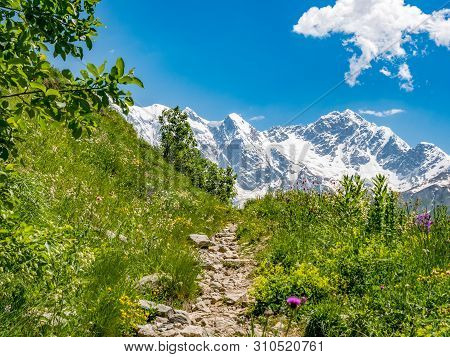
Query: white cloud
[[380, 29], [256, 118], [406, 79], [386, 72], [384, 113]]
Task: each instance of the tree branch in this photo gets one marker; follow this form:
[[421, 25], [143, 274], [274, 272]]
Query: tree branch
[[60, 91]]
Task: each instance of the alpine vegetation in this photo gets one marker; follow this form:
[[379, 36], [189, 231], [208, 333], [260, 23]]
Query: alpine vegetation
[[365, 264]]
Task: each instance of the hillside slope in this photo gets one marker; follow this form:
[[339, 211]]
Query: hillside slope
[[96, 215]]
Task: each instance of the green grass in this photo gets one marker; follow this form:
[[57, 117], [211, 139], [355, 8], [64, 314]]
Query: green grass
[[65, 271], [359, 281]]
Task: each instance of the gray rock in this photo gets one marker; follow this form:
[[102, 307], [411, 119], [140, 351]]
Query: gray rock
[[215, 298], [147, 305], [146, 331], [161, 320], [170, 333], [160, 309], [217, 285], [193, 331], [236, 298], [164, 311], [181, 317], [202, 307], [235, 262], [149, 281], [200, 240]]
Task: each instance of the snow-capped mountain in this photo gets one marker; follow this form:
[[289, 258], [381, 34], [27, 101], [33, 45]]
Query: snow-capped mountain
[[317, 154]]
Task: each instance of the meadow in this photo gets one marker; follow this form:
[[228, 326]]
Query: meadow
[[366, 263], [83, 220]]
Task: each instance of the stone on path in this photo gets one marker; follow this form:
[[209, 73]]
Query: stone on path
[[200, 240], [160, 309], [193, 331], [236, 298], [146, 331], [181, 317]]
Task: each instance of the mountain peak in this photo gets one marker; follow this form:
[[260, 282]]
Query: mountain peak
[[337, 143], [235, 118], [235, 121]]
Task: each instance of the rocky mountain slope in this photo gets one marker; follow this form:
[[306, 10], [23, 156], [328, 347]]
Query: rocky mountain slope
[[315, 155]]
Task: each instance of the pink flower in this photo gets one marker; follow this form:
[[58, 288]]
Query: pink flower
[[293, 301]]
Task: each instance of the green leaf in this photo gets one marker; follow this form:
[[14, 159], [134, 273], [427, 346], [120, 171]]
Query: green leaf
[[43, 47], [76, 132], [40, 86], [131, 80], [91, 68], [4, 153], [67, 74], [16, 61], [52, 92], [89, 43], [120, 64], [101, 69], [85, 74], [137, 82], [129, 101]]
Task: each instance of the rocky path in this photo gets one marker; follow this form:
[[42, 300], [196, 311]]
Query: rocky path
[[220, 308]]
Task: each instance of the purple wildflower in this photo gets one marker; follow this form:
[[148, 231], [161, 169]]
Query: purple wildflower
[[293, 301], [382, 287], [424, 221]]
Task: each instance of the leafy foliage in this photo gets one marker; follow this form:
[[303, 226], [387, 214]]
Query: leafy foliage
[[29, 31], [366, 266], [179, 147]]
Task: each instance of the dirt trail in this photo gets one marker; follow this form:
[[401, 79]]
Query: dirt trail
[[221, 307], [224, 283]]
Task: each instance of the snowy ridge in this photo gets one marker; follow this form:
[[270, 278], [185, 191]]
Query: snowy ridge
[[319, 153]]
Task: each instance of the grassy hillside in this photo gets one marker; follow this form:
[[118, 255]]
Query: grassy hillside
[[367, 266], [91, 217]]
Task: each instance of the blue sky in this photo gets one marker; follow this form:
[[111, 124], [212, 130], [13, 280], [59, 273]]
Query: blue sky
[[219, 57]]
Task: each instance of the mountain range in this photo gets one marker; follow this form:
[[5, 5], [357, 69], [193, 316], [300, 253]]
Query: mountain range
[[316, 155]]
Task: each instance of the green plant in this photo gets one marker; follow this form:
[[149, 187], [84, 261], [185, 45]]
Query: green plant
[[351, 196]]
